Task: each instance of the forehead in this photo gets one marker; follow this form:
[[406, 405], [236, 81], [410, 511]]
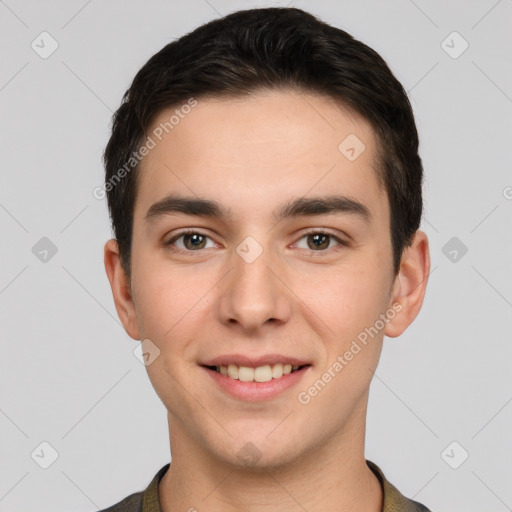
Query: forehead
[[253, 152]]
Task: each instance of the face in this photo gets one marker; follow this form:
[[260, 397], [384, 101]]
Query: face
[[255, 279]]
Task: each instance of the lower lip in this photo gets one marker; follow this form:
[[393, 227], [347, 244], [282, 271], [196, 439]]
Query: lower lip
[[256, 391]]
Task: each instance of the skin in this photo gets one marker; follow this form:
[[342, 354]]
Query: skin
[[252, 155]]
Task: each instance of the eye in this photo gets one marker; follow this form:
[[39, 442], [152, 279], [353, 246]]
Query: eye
[[319, 241], [192, 241]]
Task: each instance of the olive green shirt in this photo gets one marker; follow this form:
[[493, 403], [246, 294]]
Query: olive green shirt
[[147, 501]]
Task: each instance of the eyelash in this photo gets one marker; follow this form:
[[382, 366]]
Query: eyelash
[[307, 233]]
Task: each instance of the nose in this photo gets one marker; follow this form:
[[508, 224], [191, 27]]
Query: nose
[[254, 293]]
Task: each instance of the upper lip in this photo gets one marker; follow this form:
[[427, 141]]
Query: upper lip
[[254, 362]]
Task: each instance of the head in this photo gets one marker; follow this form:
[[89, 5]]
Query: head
[[274, 48], [270, 130]]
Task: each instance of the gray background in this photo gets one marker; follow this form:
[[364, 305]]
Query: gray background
[[68, 374]]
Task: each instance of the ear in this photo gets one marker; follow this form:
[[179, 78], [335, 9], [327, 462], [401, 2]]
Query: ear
[[120, 284], [410, 285]]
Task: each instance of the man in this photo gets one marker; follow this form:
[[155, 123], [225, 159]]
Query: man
[[264, 186]]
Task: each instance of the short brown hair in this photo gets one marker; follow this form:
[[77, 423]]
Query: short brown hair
[[271, 48]]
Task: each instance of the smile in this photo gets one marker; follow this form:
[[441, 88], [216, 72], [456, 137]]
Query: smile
[[256, 383], [259, 374]]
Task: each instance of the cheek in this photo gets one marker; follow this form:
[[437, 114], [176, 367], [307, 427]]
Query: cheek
[[347, 305], [346, 300], [171, 302], [171, 308], [159, 304]]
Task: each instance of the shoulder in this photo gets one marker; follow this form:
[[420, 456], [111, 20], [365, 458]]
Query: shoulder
[[420, 507], [394, 500], [132, 503], [146, 500]]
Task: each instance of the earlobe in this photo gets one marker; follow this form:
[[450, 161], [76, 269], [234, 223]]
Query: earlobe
[[410, 285], [120, 285]]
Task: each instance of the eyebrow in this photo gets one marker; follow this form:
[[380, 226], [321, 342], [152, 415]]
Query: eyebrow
[[301, 207]]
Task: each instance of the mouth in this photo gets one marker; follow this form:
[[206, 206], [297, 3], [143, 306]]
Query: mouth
[[265, 373], [251, 383]]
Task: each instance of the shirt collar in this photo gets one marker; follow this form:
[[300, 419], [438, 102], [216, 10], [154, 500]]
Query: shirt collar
[[393, 499]]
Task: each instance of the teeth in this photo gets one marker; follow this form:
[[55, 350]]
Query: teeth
[[260, 374], [233, 371], [245, 374], [277, 371]]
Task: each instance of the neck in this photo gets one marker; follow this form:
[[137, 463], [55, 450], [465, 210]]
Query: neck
[[331, 476]]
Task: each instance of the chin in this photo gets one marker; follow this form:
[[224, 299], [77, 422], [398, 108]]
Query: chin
[[258, 452]]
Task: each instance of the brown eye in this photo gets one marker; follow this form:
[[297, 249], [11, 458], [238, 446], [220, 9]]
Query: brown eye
[[318, 241], [189, 241], [194, 241]]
